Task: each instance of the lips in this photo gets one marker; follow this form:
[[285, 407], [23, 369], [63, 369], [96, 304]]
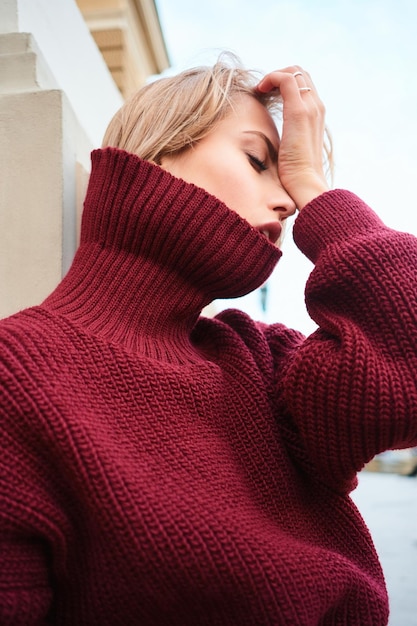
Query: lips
[[271, 231]]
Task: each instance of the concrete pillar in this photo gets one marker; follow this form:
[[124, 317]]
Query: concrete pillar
[[50, 119], [38, 213]]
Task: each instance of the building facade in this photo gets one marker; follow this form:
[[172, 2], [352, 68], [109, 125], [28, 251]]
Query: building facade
[[129, 36], [58, 91]]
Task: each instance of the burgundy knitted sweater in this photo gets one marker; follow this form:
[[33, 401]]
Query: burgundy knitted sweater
[[160, 468]]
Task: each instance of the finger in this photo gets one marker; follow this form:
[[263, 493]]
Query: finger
[[287, 79], [301, 81], [287, 84], [304, 80]]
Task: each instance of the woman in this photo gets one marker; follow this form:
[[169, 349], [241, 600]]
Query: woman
[[160, 467]]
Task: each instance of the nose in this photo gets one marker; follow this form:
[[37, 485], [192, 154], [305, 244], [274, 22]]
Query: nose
[[282, 203]]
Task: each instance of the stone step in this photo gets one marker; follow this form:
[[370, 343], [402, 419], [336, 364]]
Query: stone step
[[22, 66]]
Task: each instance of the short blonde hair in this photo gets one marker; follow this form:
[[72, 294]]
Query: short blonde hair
[[171, 114]]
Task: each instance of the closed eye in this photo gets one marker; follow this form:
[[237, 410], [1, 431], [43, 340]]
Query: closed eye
[[257, 163]]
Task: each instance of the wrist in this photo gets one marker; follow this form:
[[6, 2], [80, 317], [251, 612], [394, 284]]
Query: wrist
[[308, 192]]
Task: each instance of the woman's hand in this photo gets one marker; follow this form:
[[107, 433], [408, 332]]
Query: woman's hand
[[300, 162]]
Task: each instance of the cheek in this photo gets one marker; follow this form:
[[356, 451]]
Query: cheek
[[231, 191], [240, 197], [224, 182], [241, 187], [225, 177]]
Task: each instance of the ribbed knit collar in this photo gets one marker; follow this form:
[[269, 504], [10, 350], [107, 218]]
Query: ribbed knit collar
[[154, 251]]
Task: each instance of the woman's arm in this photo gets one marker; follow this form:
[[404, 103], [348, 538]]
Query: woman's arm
[[352, 385]]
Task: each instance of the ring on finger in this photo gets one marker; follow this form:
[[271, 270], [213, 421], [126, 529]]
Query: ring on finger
[[304, 89], [297, 74]]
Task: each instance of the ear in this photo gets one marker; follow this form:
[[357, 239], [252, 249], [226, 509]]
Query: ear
[[167, 162]]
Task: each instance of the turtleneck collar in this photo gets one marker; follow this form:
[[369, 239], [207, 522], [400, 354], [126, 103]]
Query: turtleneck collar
[[154, 251]]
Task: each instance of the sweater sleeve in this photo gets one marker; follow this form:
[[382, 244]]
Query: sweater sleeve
[[351, 387]]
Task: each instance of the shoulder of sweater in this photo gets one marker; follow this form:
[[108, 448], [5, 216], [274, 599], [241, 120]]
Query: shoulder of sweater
[[237, 327], [19, 327], [26, 339], [22, 327], [243, 323]]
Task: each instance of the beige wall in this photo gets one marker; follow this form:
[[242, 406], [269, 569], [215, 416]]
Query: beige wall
[[56, 99], [44, 157]]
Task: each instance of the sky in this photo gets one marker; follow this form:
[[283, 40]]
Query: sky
[[362, 55]]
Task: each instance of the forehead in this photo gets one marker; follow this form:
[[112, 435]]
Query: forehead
[[247, 113]]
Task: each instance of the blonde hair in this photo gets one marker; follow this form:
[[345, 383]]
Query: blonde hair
[[171, 114]]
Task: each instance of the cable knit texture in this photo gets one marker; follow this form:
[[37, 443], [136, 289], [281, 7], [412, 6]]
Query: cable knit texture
[[160, 468]]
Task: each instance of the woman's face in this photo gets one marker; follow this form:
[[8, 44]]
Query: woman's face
[[238, 163]]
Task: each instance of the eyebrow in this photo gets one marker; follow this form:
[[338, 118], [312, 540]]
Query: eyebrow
[[273, 154]]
